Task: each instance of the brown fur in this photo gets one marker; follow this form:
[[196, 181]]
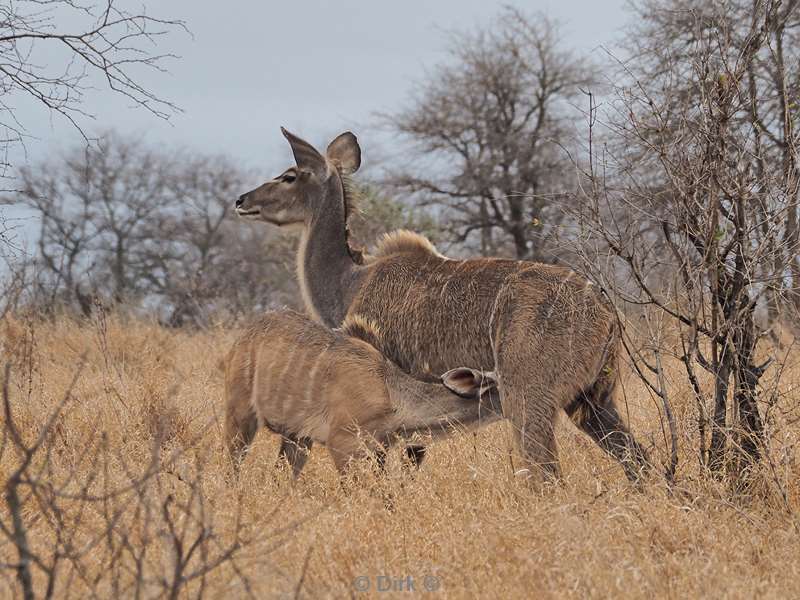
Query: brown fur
[[310, 384], [547, 332]]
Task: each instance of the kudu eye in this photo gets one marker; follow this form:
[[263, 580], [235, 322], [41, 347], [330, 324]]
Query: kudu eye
[[288, 178]]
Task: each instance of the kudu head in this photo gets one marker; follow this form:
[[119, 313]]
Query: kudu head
[[314, 184]]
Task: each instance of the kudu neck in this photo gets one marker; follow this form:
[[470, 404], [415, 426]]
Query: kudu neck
[[325, 265]]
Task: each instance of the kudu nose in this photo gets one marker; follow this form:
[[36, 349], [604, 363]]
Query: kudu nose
[[240, 201]]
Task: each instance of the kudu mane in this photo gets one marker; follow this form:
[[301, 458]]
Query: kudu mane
[[363, 329], [394, 242], [404, 241], [350, 197]]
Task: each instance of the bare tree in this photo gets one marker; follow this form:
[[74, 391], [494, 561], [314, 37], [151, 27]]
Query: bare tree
[[671, 42], [687, 215], [202, 260], [487, 127], [99, 41], [95, 206], [90, 45], [130, 225]]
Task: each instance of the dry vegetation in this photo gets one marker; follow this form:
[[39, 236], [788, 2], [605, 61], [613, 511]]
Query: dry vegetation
[[114, 480], [148, 395]]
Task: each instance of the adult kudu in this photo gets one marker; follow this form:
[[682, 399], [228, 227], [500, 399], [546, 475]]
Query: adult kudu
[[548, 334]]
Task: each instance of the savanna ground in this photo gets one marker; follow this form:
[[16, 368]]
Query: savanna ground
[[148, 395]]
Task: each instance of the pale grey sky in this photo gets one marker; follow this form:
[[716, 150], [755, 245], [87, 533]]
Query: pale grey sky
[[316, 66]]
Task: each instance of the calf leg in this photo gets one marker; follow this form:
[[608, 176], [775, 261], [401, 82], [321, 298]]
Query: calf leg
[[415, 455], [346, 446], [241, 425], [294, 450]]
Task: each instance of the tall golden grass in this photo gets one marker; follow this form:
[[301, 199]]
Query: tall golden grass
[[464, 524]]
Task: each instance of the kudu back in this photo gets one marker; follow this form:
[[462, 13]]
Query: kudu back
[[310, 384], [547, 333]]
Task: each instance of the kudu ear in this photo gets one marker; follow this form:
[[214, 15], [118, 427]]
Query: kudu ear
[[305, 155], [345, 153], [467, 382]]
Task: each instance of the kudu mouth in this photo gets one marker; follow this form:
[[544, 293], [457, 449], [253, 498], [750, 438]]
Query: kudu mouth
[[279, 223], [243, 211], [247, 212], [256, 214]]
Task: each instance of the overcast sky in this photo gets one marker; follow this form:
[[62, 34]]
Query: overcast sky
[[317, 67]]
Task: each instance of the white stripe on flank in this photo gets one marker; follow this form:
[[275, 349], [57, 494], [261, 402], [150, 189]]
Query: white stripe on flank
[[460, 264], [314, 415], [495, 305], [281, 384], [312, 374], [433, 272], [446, 282], [254, 382], [257, 390]]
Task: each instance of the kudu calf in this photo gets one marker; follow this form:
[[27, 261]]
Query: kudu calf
[[311, 384], [547, 333]]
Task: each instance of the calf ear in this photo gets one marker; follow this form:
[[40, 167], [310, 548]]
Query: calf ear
[[467, 382], [305, 155], [345, 153]]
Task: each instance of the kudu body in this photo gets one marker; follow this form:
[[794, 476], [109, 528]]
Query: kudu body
[[547, 333], [311, 384]]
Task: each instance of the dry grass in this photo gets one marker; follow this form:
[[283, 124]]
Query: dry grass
[[463, 518]]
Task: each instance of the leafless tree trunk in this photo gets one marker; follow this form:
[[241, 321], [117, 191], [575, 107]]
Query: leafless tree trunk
[[488, 130], [686, 197]]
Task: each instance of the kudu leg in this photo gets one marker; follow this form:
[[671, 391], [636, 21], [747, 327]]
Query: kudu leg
[[294, 450], [538, 443], [240, 429], [596, 414], [532, 416], [529, 396]]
